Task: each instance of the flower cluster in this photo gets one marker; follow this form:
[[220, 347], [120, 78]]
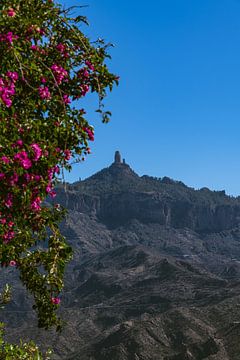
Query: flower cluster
[[8, 37], [59, 73], [90, 133], [7, 87], [37, 151], [11, 12], [44, 93], [55, 300]]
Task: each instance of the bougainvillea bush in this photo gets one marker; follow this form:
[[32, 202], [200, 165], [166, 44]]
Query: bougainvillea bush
[[48, 66], [23, 351]]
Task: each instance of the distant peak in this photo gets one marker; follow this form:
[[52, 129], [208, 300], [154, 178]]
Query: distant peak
[[118, 159]]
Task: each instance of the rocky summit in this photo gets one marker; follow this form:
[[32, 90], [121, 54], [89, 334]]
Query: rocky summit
[[155, 273]]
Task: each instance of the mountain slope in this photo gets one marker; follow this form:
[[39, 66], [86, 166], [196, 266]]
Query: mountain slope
[[155, 273]]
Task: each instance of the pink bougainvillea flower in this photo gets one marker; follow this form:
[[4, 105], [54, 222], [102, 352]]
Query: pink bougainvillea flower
[[44, 93], [83, 74], [90, 133], [48, 188], [11, 12], [9, 37], [43, 80], [35, 204], [19, 143], [67, 154], [84, 89], [61, 47], [34, 47], [22, 158], [37, 151], [55, 300], [9, 200], [26, 164], [21, 155], [89, 64], [13, 75], [13, 179], [27, 177], [8, 236], [50, 173], [66, 99], [6, 100], [59, 72], [56, 169], [53, 193], [5, 159]]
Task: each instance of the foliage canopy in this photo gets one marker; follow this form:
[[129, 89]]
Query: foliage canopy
[[47, 65]]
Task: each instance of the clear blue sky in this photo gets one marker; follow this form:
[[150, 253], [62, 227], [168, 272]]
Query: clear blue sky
[[176, 112]]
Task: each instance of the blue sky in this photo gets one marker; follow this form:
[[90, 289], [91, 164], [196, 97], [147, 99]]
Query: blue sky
[[176, 112]]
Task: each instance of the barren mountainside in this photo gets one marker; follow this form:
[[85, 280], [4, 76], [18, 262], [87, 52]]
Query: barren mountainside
[[155, 273]]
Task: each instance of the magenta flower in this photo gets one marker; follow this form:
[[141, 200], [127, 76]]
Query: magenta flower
[[13, 75], [22, 158], [9, 200], [44, 93], [66, 99], [5, 159], [89, 65], [84, 88], [13, 179], [11, 12], [34, 47], [55, 300], [90, 133], [7, 88], [48, 188], [43, 80], [61, 48], [9, 37], [35, 204], [83, 74], [56, 169], [67, 154], [26, 163], [50, 173], [12, 263], [7, 101], [27, 177], [37, 151], [19, 143], [8, 236], [53, 194], [59, 72]]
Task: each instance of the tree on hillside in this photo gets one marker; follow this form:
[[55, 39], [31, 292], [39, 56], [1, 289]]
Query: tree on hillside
[[48, 66]]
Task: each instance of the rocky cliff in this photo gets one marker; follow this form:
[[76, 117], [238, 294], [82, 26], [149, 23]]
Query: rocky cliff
[[117, 195]]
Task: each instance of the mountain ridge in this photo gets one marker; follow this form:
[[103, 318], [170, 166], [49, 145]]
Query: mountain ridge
[[155, 273]]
